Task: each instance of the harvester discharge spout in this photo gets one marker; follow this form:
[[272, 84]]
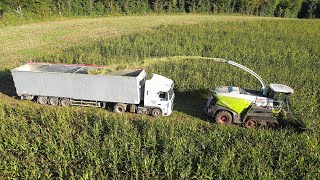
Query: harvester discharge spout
[[221, 60]]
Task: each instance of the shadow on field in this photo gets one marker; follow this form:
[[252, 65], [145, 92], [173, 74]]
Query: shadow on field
[[192, 103], [293, 123], [6, 83]]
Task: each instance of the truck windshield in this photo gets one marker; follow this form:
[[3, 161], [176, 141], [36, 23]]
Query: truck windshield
[[163, 96]]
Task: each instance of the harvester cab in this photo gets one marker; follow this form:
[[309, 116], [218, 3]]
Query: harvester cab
[[280, 93]]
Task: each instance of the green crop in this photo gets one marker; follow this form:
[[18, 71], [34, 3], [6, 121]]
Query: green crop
[[41, 142], [276, 50]]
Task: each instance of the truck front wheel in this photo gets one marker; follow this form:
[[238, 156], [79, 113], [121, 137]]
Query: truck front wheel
[[223, 117], [120, 108], [156, 112]]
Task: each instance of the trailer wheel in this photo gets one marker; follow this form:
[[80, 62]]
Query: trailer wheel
[[54, 101], [42, 99], [156, 112], [223, 117], [119, 108], [251, 123], [65, 102]]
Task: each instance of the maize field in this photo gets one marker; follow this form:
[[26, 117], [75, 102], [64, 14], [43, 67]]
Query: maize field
[[44, 142]]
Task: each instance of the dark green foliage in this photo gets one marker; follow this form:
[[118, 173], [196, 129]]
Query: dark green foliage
[[310, 9], [288, 8], [38, 9]]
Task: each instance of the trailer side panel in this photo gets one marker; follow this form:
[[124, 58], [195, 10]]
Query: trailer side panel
[[108, 88]]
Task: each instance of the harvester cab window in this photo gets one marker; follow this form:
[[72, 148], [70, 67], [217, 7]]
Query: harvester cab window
[[280, 96]]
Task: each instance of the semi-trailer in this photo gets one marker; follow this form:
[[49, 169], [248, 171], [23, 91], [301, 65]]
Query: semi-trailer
[[74, 85]]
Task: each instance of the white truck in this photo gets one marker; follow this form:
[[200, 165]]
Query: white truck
[[72, 84]]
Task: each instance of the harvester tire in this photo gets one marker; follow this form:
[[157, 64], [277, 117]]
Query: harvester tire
[[223, 117], [251, 123]]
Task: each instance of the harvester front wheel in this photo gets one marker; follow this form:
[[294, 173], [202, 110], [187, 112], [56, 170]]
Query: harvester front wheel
[[223, 117]]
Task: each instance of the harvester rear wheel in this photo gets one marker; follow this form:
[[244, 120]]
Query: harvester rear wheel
[[223, 117], [251, 123]]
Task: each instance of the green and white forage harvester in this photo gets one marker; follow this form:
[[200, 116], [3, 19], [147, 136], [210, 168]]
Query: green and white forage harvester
[[228, 104]]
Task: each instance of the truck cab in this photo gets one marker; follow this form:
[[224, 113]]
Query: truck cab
[[159, 94]]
